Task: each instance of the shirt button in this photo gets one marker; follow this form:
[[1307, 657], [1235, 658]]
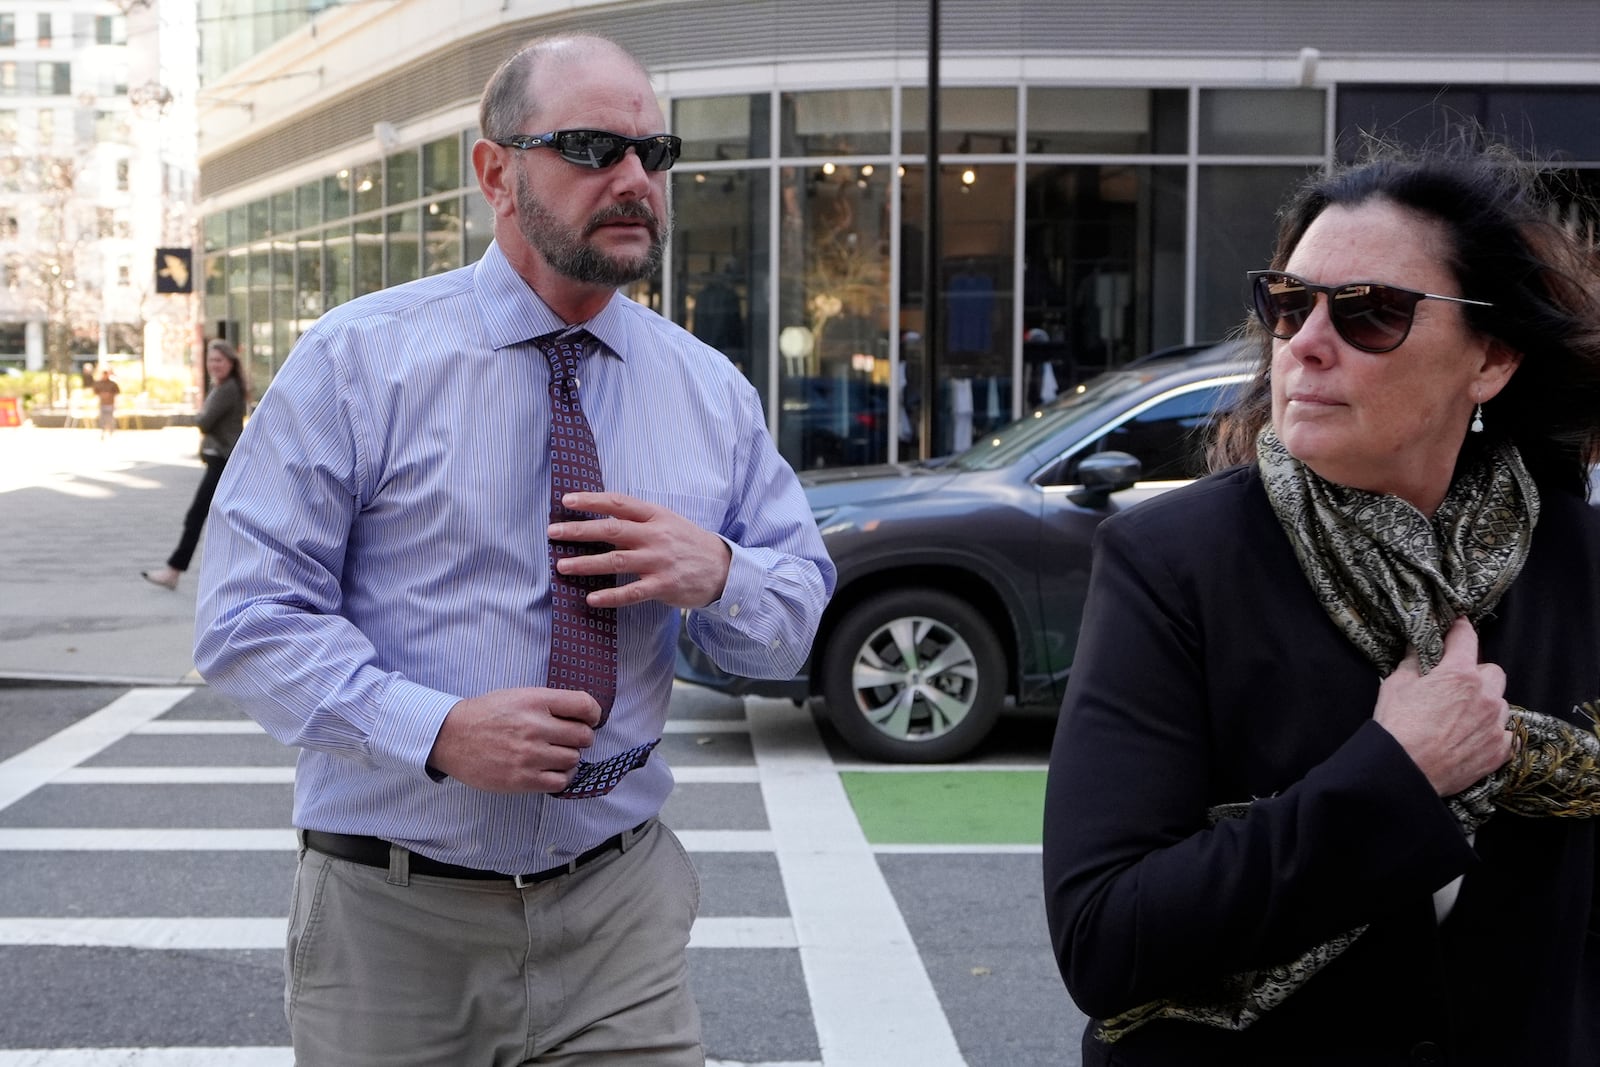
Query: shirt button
[[776, 642], [733, 611], [1426, 1054]]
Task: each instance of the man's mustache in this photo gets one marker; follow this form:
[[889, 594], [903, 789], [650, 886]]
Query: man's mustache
[[618, 212]]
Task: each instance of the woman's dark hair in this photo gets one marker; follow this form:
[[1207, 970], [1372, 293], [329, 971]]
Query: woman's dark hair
[[1516, 238], [217, 344]]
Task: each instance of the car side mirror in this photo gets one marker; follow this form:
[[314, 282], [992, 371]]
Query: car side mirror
[[1101, 475]]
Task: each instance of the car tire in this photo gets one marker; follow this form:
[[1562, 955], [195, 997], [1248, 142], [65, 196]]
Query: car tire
[[913, 676]]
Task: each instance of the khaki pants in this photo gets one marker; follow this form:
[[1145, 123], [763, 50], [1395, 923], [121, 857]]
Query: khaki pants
[[390, 969]]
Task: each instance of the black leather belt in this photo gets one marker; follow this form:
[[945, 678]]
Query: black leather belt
[[374, 852]]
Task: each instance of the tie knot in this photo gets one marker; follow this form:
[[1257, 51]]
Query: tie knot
[[565, 349]]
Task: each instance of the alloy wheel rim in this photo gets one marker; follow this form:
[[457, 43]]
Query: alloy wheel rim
[[914, 678]]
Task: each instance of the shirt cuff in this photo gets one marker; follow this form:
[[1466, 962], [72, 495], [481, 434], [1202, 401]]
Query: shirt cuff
[[408, 725], [741, 593]]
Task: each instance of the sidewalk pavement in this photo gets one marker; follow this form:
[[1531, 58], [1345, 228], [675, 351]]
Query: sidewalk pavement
[[79, 519]]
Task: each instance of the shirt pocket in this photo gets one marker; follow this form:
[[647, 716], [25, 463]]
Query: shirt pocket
[[705, 512]]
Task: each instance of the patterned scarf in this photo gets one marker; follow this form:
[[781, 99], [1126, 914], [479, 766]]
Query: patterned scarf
[[1394, 579]]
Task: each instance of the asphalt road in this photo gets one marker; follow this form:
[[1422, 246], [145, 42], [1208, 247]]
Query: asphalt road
[[145, 865]]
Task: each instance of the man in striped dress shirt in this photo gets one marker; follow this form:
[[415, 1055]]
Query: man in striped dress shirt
[[376, 591]]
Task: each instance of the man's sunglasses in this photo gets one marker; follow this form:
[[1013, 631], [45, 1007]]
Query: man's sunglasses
[[1371, 317], [599, 149]]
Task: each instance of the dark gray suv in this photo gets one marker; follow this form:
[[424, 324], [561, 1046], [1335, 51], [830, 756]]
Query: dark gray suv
[[961, 580]]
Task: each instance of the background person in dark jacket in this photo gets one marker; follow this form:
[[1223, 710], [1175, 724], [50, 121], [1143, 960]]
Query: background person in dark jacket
[[221, 420], [1279, 827]]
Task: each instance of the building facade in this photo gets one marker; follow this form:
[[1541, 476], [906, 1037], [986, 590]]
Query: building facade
[[1106, 173], [94, 177]]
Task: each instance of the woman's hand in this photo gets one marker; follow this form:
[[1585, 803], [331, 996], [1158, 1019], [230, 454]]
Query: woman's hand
[[1452, 720]]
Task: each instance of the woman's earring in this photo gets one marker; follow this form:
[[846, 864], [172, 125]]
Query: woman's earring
[[1477, 419]]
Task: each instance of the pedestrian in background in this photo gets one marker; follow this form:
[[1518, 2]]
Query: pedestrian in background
[[410, 576], [221, 421], [106, 389], [1322, 791]]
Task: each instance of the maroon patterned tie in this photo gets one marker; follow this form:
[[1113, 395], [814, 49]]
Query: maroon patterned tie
[[583, 639]]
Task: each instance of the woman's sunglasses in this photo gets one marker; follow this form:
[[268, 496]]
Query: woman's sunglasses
[[599, 149], [1371, 317]]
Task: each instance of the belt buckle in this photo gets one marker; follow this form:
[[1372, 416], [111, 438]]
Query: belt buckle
[[523, 881]]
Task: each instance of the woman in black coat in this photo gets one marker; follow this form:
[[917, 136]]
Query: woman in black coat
[[221, 421], [1287, 820]]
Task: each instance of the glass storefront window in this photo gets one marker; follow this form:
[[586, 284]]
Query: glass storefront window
[[441, 165], [366, 183], [724, 127], [336, 198], [1236, 213], [1262, 122], [401, 177], [340, 265], [283, 219], [257, 331], [837, 122], [441, 236], [974, 361], [479, 226], [1103, 272], [369, 256], [1107, 121], [258, 220], [970, 120], [308, 297], [308, 200], [216, 232], [833, 315], [719, 262], [404, 259], [1544, 121]]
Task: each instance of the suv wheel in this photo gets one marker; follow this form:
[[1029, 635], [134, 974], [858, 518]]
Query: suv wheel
[[913, 676]]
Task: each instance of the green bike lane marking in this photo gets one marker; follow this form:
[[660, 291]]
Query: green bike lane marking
[[967, 807]]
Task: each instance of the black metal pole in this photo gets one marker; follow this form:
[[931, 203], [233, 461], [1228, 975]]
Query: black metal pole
[[932, 325]]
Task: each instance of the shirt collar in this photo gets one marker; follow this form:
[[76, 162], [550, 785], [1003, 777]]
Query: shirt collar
[[512, 313]]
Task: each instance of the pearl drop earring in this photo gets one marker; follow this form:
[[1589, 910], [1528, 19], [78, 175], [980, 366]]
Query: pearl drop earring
[[1477, 419]]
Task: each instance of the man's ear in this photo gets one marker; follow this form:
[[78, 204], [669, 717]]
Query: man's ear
[[492, 164]]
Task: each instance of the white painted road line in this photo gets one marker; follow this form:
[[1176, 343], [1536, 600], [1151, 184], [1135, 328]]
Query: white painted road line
[[871, 998], [73, 839], [705, 726], [285, 775], [195, 934], [69, 839], [714, 775], [176, 776], [31, 768], [975, 850], [147, 1057], [201, 726], [213, 1057]]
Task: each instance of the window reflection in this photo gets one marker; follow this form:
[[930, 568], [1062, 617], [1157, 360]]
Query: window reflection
[[1124, 121], [720, 264], [842, 122], [1103, 278], [833, 315]]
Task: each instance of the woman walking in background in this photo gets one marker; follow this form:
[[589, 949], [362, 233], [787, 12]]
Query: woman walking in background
[[221, 419]]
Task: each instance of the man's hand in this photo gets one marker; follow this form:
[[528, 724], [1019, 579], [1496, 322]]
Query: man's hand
[[1451, 721], [516, 740], [676, 561]]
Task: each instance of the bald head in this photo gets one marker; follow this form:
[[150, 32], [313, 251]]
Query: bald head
[[509, 98]]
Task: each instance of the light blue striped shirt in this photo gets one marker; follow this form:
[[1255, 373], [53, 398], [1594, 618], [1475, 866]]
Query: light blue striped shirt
[[376, 552]]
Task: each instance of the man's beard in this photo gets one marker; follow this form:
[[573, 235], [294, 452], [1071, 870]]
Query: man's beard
[[568, 251]]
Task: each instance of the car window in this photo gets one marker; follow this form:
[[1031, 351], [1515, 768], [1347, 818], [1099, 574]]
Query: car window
[[1167, 436], [1002, 447]]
